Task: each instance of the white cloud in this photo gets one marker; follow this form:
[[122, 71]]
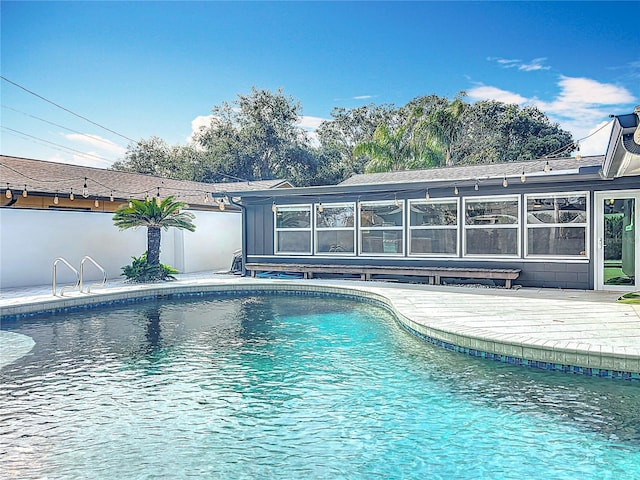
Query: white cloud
[[532, 66], [307, 122], [97, 142], [363, 97], [199, 123], [582, 107], [535, 64], [483, 92]]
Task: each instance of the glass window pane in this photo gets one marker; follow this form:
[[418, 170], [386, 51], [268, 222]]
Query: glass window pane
[[335, 217], [294, 242], [382, 241], [502, 212], [339, 241], [434, 241], [433, 214], [381, 215], [491, 241], [293, 217], [563, 209], [556, 241]]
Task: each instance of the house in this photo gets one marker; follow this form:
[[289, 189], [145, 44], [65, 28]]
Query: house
[[552, 222], [50, 210]]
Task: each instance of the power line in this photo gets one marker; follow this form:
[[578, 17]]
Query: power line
[[66, 109], [56, 144], [107, 142]]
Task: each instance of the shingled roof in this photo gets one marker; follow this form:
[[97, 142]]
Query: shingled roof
[[42, 177], [475, 172]]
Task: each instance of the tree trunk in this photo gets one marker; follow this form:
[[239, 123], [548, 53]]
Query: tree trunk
[[153, 245]]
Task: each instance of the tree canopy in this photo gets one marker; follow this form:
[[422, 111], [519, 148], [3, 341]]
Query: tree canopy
[[257, 136]]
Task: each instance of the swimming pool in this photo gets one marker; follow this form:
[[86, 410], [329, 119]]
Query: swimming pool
[[292, 387]]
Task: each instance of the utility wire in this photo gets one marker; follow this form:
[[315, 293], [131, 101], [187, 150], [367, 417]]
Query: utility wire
[[106, 142], [66, 109], [56, 144]]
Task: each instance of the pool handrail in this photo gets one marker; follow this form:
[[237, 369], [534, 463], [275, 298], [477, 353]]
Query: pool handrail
[[54, 286], [98, 266]]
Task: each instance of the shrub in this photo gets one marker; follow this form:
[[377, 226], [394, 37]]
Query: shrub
[[140, 271]]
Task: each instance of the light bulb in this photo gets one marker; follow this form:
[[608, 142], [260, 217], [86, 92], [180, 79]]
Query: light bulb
[[158, 201], [111, 199], [523, 177], [8, 193], [96, 203], [455, 190], [221, 206], [71, 195], [274, 207], [320, 207], [130, 204], [547, 167], [476, 187], [396, 202], [56, 200], [24, 192], [85, 191], [426, 195], [505, 184], [578, 157]]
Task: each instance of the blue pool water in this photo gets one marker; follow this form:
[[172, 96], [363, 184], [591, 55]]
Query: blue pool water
[[292, 387]]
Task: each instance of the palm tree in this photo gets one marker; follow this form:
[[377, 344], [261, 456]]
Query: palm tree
[[155, 215], [443, 126], [391, 150]]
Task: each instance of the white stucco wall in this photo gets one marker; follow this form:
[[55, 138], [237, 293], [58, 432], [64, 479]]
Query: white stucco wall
[[30, 241]]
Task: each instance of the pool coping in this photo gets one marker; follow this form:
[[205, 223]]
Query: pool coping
[[407, 304]]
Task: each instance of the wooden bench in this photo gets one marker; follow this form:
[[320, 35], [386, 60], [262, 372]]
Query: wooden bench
[[433, 273]]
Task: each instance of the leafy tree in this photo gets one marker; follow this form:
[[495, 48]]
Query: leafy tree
[[155, 216], [256, 137], [442, 125], [155, 157], [348, 127], [392, 150], [497, 132]]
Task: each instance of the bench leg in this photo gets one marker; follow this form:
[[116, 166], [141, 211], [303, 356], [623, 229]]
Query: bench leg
[[363, 276], [307, 275], [253, 274], [507, 283], [437, 279]]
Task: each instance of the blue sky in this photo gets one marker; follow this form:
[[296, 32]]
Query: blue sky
[[147, 69]]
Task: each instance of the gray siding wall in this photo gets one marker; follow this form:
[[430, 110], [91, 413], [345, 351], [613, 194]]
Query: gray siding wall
[[535, 273]]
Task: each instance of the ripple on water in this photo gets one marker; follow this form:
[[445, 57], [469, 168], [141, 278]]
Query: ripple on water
[[284, 387]]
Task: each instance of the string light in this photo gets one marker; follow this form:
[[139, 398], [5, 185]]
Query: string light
[[130, 203], [96, 203], [85, 190], [395, 200], [426, 195], [547, 167], [505, 184], [8, 192], [55, 199], [111, 199], [455, 190], [476, 187], [320, 207], [523, 177], [71, 195], [158, 197], [274, 207], [24, 192]]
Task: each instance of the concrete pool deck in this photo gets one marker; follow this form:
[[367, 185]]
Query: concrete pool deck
[[574, 331]]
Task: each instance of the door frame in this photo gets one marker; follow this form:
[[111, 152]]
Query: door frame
[[598, 256]]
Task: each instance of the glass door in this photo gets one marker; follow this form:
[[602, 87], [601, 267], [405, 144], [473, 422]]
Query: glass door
[[617, 256]]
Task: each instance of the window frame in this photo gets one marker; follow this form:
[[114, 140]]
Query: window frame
[[514, 226], [277, 229], [585, 225], [317, 229], [411, 228], [402, 204]]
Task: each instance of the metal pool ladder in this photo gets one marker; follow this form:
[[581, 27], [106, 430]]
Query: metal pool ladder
[[97, 265], [79, 275], [55, 266]]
